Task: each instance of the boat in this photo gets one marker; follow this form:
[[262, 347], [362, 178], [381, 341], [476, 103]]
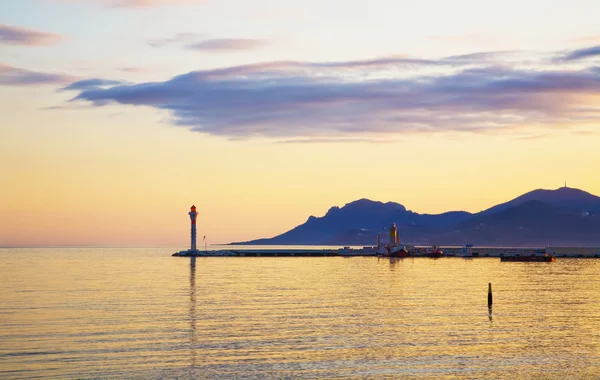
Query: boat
[[433, 251], [397, 250], [388, 243], [399, 253], [529, 258]]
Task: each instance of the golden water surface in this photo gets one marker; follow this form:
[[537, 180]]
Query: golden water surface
[[139, 313]]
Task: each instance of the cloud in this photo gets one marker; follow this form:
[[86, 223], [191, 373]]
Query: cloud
[[582, 53], [87, 84], [538, 136], [12, 35], [176, 39], [14, 76], [134, 70], [192, 41], [368, 99], [227, 44], [335, 140], [289, 70]]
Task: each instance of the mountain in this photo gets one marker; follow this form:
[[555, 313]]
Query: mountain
[[564, 216], [358, 222], [566, 198], [532, 222]]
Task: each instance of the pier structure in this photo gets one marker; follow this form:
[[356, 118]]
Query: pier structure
[[482, 252], [469, 250], [574, 251]]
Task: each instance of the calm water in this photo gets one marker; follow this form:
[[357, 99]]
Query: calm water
[[139, 313]]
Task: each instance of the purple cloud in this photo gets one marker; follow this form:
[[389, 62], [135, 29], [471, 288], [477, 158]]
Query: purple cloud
[[579, 54], [12, 35], [14, 76], [369, 99], [227, 44]]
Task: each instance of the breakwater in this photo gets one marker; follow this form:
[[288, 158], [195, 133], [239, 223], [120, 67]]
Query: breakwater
[[449, 251], [261, 253]]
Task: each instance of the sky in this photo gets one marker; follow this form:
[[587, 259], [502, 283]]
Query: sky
[[117, 115]]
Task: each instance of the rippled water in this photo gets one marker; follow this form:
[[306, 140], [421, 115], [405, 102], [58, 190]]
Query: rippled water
[[139, 313]]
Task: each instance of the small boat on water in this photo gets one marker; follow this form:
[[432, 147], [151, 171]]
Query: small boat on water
[[393, 251], [399, 253], [529, 258], [434, 252]]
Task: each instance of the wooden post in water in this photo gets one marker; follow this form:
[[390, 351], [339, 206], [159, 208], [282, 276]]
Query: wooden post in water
[[490, 298]]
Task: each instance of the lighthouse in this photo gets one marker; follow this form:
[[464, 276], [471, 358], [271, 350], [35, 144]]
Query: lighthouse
[[193, 215], [394, 234]]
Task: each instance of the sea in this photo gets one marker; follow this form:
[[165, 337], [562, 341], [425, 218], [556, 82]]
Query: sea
[[138, 313]]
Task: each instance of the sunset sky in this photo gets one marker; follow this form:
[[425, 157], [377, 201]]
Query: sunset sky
[[118, 115]]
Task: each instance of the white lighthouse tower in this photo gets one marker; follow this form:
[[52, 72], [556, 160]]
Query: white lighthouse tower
[[193, 215]]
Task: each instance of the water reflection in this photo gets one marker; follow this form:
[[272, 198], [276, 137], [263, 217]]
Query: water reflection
[[393, 261], [293, 318], [193, 339]]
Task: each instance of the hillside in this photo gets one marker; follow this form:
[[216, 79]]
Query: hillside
[[564, 216], [532, 222], [566, 198]]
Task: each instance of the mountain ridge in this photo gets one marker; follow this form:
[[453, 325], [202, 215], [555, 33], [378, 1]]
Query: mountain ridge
[[564, 215], [572, 198]]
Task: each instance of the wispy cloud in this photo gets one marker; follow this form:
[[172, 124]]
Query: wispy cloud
[[538, 136], [587, 132], [335, 141], [579, 54], [12, 35], [369, 99], [136, 70], [194, 41], [94, 83], [227, 44], [14, 76], [179, 38]]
